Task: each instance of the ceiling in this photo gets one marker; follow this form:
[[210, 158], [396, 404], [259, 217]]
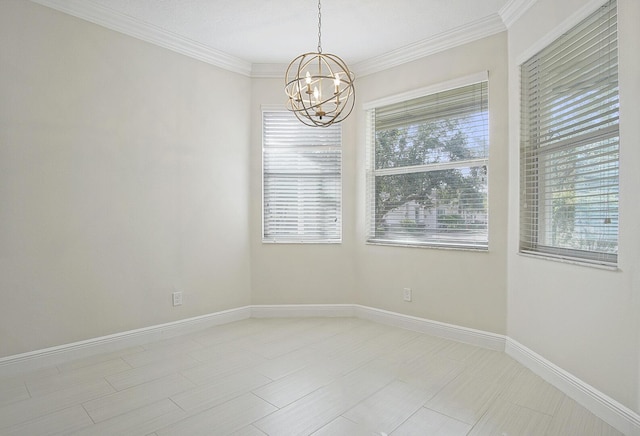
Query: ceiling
[[243, 34]]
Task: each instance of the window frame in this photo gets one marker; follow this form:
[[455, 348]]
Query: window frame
[[280, 239], [532, 205], [372, 172]]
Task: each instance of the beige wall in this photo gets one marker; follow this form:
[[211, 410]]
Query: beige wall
[[583, 319], [466, 288], [123, 176]]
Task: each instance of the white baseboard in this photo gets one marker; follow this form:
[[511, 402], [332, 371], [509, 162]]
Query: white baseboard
[[39, 359], [303, 311], [609, 410], [480, 338]]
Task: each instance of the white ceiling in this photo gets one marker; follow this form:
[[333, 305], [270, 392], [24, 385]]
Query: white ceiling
[[249, 32]]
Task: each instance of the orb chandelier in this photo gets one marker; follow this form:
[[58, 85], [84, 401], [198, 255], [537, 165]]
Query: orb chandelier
[[319, 86]]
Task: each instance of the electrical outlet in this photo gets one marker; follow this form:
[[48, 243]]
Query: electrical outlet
[[406, 294], [177, 298]]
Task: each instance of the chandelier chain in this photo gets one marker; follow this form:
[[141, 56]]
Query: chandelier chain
[[319, 28]]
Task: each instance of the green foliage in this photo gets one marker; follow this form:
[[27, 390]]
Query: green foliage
[[428, 143]]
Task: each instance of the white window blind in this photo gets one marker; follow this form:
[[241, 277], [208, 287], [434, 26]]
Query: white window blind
[[569, 144], [428, 169], [302, 180]]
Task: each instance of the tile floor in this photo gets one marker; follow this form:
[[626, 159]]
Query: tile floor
[[318, 376]]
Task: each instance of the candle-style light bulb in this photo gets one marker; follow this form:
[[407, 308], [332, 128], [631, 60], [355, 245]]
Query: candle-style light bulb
[[336, 82], [308, 80]]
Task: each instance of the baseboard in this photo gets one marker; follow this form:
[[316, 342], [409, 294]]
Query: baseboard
[[303, 311], [609, 410], [39, 359], [480, 338], [622, 418]]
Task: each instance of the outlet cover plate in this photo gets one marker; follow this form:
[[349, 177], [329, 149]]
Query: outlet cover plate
[[177, 298], [406, 294]]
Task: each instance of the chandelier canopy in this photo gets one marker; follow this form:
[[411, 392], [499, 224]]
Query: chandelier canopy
[[319, 86]]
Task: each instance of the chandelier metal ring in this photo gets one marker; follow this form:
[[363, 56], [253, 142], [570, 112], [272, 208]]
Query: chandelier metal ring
[[319, 86]]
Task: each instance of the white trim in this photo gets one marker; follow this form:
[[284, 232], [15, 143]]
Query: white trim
[[303, 310], [34, 360], [603, 406], [103, 16], [513, 10], [432, 89], [606, 408], [467, 335], [569, 23], [269, 71], [444, 41]]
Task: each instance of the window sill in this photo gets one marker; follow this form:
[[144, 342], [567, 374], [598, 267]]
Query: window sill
[[271, 242], [431, 246], [584, 263]]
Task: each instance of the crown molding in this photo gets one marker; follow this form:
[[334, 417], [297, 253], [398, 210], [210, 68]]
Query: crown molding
[[106, 17], [103, 16], [268, 71], [513, 10], [460, 35]]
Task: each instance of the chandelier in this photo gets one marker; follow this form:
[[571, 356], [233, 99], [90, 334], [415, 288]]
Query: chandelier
[[319, 86]]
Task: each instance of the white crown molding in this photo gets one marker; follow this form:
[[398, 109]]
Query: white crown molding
[[513, 10], [39, 359], [268, 71], [606, 408], [106, 17], [461, 35]]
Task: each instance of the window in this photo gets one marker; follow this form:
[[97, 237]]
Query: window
[[428, 163], [569, 144], [302, 180]]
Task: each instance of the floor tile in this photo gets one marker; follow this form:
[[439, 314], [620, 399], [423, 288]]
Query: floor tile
[[571, 419], [226, 418], [121, 402], [312, 412], [142, 421], [98, 358], [96, 371], [343, 427], [13, 391], [505, 418], [385, 410], [137, 376], [32, 408], [289, 363], [294, 386], [160, 352], [212, 394], [465, 398], [60, 422], [429, 422], [528, 390], [248, 431]]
